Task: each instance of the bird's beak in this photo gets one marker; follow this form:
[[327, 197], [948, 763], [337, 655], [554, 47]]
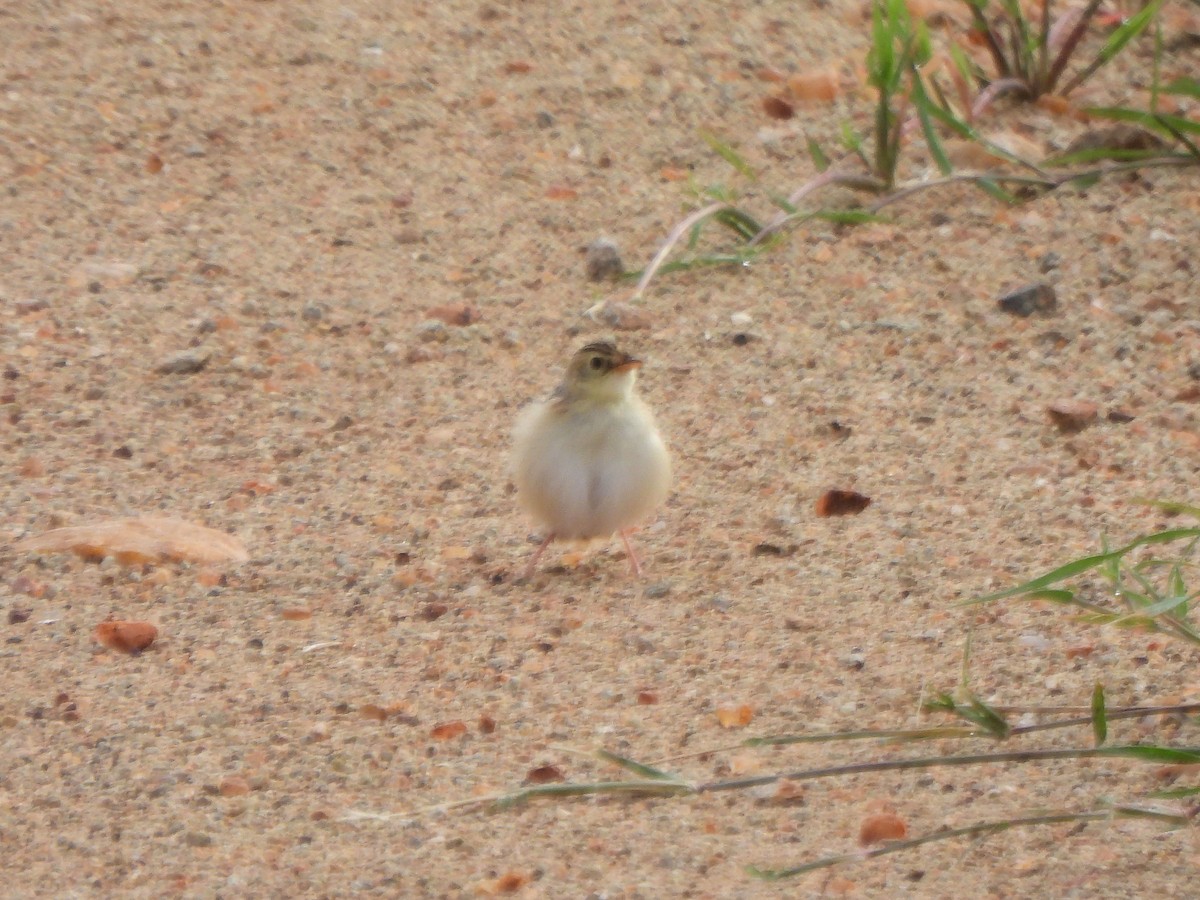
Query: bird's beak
[[626, 364]]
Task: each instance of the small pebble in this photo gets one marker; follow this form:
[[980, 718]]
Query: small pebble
[[604, 260], [185, 362], [1024, 302], [433, 331], [1071, 416], [1049, 262]]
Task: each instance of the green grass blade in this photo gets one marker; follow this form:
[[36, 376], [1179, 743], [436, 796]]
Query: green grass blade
[[1086, 563], [739, 222], [782, 202], [847, 216], [853, 142], [636, 767], [1186, 87], [727, 153], [1153, 753], [932, 141], [896, 735], [1164, 607], [1170, 506], [1122, 35], [1175, 793], [1099, 716], [1062, 573], [1100, 154], [974, 711], [944, 835], [639, 788], [993, 190], [819, 158], [1152, 121]]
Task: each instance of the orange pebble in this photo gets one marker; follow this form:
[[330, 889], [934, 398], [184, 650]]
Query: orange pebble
[[127, 637]]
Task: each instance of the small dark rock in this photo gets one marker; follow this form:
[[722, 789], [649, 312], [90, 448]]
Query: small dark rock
[[16, 615], [434, 611], [1049, 262], [311, 313], [185, 362], [1039, 298], [1071, 416], [603, 260], [342, 423], [1120, 417], [123, 452], [1118, 137]]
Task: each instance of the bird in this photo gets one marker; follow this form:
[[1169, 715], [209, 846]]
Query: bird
[[589, 460]]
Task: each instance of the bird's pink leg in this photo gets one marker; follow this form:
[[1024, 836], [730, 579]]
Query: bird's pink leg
[[538, 554], [633, 560]]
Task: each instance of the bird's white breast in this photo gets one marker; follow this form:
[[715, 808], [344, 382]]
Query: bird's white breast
[[590, 469]]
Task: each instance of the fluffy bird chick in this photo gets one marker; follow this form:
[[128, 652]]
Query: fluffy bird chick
[[589, 461]]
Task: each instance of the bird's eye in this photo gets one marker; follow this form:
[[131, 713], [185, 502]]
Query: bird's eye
[[597, 363]]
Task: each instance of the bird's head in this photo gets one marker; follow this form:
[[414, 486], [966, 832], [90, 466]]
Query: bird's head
[[602, 372]]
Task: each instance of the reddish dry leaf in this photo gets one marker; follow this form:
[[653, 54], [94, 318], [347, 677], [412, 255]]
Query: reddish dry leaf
[[841, 503], [371, 711], [31, 467], [154, 164], [786, 791], [673, 173], [561, 192], [447, 731], [518, 67], [1173, 771], [207, 577], [840, 887], [23, 584], [296, 613], [455, 314], [487, 725], [127, 637], [735, 716], [508, 883], [881, 827], [647, 698], [145, 539], [821, 87], [233, 786], [1081, 651], [544, 775], [778, 108]]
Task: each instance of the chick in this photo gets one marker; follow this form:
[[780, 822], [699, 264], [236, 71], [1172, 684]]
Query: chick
[[589, 461]]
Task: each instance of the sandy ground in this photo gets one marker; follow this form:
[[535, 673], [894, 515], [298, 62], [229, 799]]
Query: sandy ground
[[285, 190]]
